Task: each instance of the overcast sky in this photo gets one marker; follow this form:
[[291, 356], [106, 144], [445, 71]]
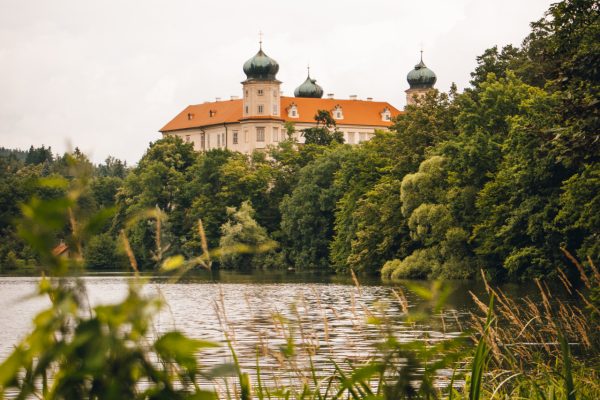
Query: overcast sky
[[107, 75]]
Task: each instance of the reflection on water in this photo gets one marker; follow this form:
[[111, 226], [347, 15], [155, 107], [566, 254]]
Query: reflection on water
[[259, 311]]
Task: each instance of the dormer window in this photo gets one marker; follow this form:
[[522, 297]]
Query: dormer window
[[337, 112], [293, 111], [212, 113], [386, 114]]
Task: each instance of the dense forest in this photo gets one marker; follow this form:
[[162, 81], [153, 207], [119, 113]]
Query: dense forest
[[501, 177]]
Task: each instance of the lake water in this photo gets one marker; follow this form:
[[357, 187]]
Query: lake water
[[327, 313]]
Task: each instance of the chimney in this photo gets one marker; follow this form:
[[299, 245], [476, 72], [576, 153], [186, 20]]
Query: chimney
[[330, 95], [234, 97], [218, 99], [369, 99], [353, 97]]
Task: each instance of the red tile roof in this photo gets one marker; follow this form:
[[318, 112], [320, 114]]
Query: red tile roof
[[355, 112]]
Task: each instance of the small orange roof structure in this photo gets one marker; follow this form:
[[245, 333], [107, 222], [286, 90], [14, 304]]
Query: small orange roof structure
[[356, 112], [60, 249]]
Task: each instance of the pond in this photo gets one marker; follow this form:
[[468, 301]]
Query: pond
[[258, 310]]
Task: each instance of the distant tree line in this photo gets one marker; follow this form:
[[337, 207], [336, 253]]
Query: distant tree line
[[499, 178]]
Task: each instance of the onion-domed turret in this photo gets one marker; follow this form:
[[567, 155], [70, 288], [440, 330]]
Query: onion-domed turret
[[421, 77], [309, 88], [261, 67]]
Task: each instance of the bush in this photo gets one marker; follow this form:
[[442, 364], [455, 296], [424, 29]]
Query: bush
[[10, 261], [102, 252], [419, 265]]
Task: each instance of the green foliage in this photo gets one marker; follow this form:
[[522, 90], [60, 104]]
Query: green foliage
[[579, 214], [325, 132], [104, 352], [102, 252], [244, 243], [39, 155], [307, 214]]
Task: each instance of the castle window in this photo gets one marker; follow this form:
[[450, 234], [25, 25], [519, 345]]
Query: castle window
[[260, 134], [235, 137], [275, 109], [293, 111], [337, 113], [246, 92], [219, 140], [351, 138], [261, 108], [203, 141], [187, 138], [276, 134], [362, 137], [245, 136], [260, 92], [386, 115], [246, 109]]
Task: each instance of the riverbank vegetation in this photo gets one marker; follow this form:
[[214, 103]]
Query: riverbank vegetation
[[502, 177], [512, 348]]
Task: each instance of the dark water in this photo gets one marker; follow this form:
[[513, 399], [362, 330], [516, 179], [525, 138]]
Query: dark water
[[258, 311]]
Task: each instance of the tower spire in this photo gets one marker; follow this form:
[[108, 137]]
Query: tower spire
[[260, 38], [308, 69]]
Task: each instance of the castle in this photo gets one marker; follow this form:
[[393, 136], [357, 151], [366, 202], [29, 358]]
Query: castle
[[259, 118]]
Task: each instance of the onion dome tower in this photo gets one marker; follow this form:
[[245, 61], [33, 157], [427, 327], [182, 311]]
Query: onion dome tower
[[261, 89], [420, 80], [261, 67], [309, 88]]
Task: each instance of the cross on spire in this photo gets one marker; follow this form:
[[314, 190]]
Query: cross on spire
[[308, 69]]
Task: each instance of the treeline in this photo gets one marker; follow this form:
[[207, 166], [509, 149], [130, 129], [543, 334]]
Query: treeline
[[499, 178], [36, 173]]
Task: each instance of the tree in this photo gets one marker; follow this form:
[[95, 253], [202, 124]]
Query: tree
[[307, 214], [157, 182], [112, 167], [101, 252], [325, 132], [579, 214], [244, 243], [39, 155]]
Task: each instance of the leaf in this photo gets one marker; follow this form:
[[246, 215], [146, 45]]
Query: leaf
[[178, 347], [172, 263]]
